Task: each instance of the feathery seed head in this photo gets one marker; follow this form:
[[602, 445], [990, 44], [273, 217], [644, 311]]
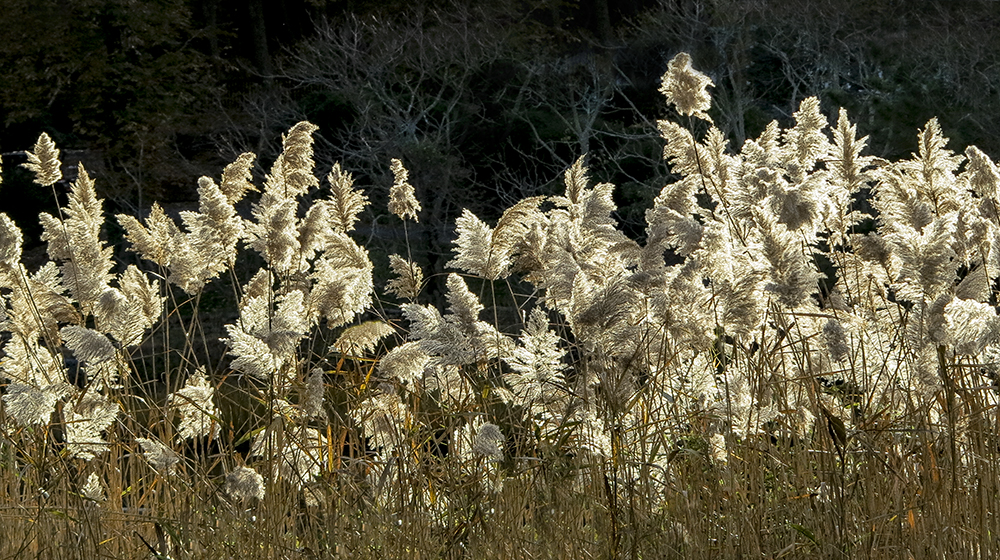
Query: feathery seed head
[[405, 362], [359, 339], [85, 419], [847, 163], [236, 178], [89, 346], [576, 180], [44, 161], [30, 405], [981, 173], [297, 158], [91, 488], [244, 483], [489, 441], [10, 242], [347, 201], [162, 458], [971, 325], [409, 278], [805, 142], [685, 88], [402, 200], [156, 241], [194, 402], [462, 303]]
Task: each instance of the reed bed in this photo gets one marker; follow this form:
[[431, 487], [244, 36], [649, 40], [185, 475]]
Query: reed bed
[[798, 360]]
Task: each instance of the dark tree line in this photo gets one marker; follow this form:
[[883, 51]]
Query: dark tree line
[[485, 102]]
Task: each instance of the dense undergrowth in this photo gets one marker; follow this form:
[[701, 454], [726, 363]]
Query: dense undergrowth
[[798, 360]]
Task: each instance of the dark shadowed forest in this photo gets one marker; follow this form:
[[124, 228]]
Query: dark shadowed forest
[[484, 101]]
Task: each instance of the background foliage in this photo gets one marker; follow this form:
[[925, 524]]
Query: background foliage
[[159, 91]]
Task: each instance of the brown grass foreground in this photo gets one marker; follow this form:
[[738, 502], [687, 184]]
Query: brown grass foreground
[[805, 381]]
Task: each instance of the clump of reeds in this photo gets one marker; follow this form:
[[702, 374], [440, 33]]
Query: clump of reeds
[[806, 380]]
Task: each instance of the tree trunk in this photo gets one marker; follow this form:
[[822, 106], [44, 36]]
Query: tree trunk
[[258, 28], [602, 21]]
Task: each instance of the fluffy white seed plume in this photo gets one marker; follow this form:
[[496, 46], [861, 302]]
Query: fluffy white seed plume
[[971, 325], [489, 442], [76, 241], [236, 178], [537, 362], [145, 304], [44, 295], [409, 278], [680, 149], [155, 240], [347, 201], [685, 87], [361, 339], [244, 483], [473, 246], [576, 180], [793, 276], [88, 345], [402, 200], [274, 230], [459, 338], [252, 355], [671, 222], [849, 171], [926, 269], [846, 163], [265, 341], [462, 303], [341, 279], [43, 160], [196, 405], [981, 173], [194, 257], [288, 324], [740, 301], [486, 252], [30, 405], [805, 143], [91, 489], [315, 230], [297, 159], [161, 457], [85, 419], [427, 325], [26, 361], [931, 172], [405, 362], [119, 318], [215, 230], [10, 242]]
